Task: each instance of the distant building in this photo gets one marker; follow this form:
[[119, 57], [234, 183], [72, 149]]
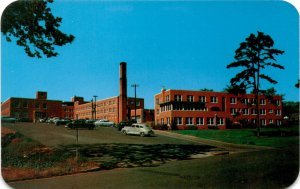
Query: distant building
[[116, 109], [205, 109], [27, 109]]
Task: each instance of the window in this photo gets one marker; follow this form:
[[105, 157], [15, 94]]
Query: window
[[157, 101], [189, 121], [263, 122], [178, 120], [138, 103], [262, 101], [167, 98], [253, 111], [253, 101], [162, 121], [190, 98], [278, 112], [202, 99], [270, 121], [178, 98], [245, 101], [213, 99], [278, 122], [220, 121], [262, 111], [232, 100], [200, 121], [270, 111], [233, 111], [45, 105], [168, 120], [25, 105], [245, 111], [277, 102], [16, 104], [210, 121], [157, 111]]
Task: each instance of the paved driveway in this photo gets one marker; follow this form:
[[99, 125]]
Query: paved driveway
[[240, 170]]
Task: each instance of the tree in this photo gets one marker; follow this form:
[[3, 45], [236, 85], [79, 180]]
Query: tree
[[254, 55], [34, 27], [297, 84], [206, 90], [234, 89]]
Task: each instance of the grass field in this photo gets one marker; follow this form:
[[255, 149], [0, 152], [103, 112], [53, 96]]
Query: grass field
[[269, 136]]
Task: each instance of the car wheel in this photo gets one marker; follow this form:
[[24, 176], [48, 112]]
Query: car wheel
[[124, 132], [142, 134]]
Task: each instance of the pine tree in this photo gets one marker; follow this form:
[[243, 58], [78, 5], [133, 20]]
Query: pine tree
[[254, 55]]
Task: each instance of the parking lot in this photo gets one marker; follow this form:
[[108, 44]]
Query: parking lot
[[51, 135]]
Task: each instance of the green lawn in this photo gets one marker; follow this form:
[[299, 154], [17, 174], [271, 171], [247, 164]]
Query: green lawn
[[271, 137]]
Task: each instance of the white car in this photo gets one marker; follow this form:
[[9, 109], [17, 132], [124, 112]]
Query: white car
[[104, 122], [138, 129]]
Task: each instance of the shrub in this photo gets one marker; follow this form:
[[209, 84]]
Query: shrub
[[191, 127], [212, 127], [161, 127], [174, 126]]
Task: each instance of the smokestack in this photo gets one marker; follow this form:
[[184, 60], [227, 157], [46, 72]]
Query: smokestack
[[123, 93]]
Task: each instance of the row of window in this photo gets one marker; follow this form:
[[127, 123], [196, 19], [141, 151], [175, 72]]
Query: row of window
[[233, 111], [233, 100], [37, 105], [108, 110], [171, 107], [191, 121], [246, 111], [214, 99], [67, 110], [209, 121]]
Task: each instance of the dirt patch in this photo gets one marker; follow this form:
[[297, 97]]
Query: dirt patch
[[5, 131], [69, 167]]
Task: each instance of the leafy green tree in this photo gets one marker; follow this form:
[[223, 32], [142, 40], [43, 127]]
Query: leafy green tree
[[254, 55], [33, 26]]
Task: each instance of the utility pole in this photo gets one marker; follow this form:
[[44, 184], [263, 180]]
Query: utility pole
[[92, 109], [135, 86]]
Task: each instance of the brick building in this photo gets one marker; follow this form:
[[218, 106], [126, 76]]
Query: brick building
[[208, 109], [116, 109], [28, 109]]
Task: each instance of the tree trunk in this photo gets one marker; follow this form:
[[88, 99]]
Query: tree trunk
[[257, 99]]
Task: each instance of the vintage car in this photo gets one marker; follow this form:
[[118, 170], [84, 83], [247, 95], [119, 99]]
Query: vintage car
[[104, 122], [138, 129]]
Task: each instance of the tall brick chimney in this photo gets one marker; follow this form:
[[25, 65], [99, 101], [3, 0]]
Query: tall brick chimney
[[123, 93]]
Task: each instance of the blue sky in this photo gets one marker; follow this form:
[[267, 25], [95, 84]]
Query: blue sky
[[178, 45]]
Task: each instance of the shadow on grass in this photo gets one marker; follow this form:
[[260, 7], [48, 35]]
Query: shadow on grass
[[109, 156]]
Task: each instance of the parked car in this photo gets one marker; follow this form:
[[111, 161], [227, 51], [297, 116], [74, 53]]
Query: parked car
[[104, 122], [138, 129], [80, 123], [6, 119], [61, 121], [122, 124], [90, 121], [42, 120], [52, 120]]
